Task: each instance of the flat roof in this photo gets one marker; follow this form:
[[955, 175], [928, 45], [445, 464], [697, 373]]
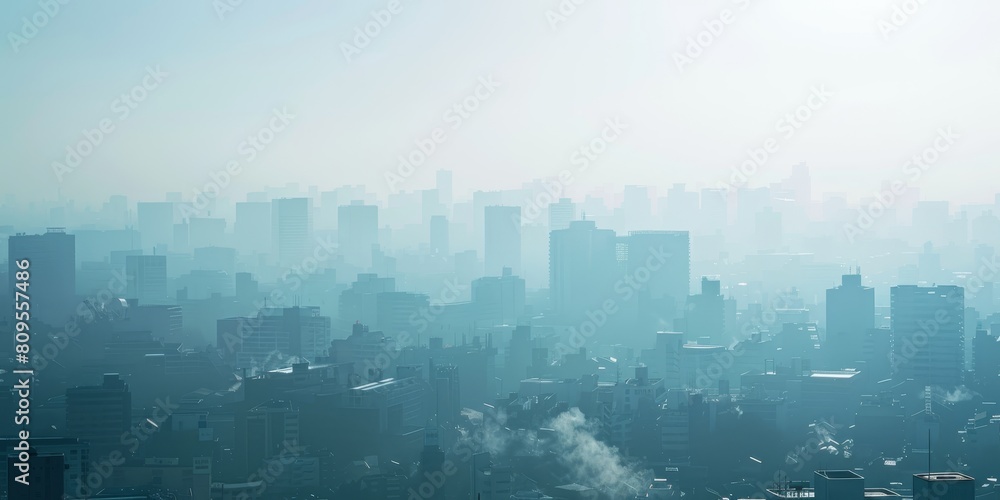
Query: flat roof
[[838, 474], [944, 476], [833, 374], [810, 493]]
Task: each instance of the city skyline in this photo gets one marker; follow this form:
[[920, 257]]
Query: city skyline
[[521, 250]]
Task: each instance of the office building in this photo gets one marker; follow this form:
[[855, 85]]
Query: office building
[[561, 213], [146, 279], [263, 432], [705, 314], [51, 274], [928, 334], [100, 414], [273, 334], [502, 242], [75, 453], [664, 259], [850, 314], [291, 230], [499, 299], [44, 481], [583, 267]]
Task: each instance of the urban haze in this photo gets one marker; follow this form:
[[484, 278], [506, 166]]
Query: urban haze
[[548, 249]]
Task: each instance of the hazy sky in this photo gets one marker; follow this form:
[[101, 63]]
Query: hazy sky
[[557, 87]]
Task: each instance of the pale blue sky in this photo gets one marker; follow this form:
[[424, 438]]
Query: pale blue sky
[[608, 59]]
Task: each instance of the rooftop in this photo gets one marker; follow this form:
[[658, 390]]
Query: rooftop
[[944, 476]]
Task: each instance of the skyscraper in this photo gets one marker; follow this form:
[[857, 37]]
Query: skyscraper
[[481, 200], [928, 327], [100, 414], [289, 331], [503, 239], [146, 278], [583, 267], [705, 313], [561, 213], [850, 313], [357, 231], [291, 229], [670, 283], [51, 272]]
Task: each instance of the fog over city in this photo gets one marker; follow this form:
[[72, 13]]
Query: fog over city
[[551, 249]]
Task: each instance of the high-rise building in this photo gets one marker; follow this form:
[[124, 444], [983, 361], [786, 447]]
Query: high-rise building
[[499, 299], [291, 229], [45, 479], [273, 334], [395, 311], [100, 414], [264, 431], [146, 279], [705, 314], [156, 222], [481, 200], [664, 258], [430, 205], [561, 213], [357, 231], [850, 314], [51, 274], [928, 334], [503, 239], [583, 267], [75, 465]]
